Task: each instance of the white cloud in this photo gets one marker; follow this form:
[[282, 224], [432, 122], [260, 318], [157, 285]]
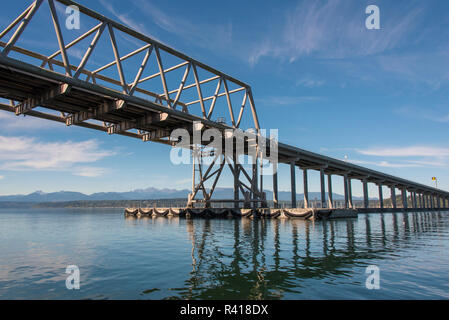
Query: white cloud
[[2, 177], [384, 164], [420, 68], [21, 153], [309, 82], [124, 18], [288, 100], [435, 114], [413, 151], [9, 121], [213, 35], [405, 157], [90, 172], [403, 164], [185, 182], [201, 33], [332, 29]]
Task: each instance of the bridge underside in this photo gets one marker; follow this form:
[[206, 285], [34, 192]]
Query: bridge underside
[[79, 105]]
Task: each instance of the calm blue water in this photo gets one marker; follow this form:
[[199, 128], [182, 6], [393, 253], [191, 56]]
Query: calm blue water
[[172, 258]]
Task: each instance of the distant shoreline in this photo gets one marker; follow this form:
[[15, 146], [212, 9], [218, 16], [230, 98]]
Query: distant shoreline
[[107, 204], [122, 204]]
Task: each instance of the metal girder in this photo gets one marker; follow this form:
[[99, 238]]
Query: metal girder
[[360, 177], [60, 119], [337, 172], [42, 99], [156, 134], [139, 123], [97, 112], [317, 167]]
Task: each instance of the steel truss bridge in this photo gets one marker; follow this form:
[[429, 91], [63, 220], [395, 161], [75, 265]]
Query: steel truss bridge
[[152, 90]]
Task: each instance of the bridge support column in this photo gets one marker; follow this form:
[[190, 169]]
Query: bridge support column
[[329, 192], [345, 184], [348, 192], [306, 188], [404, 198], [236, 182], [393, 197], [323, 190], [263, 203], [365, 194], [275, 186], [350, 202], [293, 183], [254, 182], [421, 203], [415, 200], [381, 197]]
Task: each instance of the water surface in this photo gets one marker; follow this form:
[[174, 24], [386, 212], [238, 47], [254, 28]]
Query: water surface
[[172, 258]]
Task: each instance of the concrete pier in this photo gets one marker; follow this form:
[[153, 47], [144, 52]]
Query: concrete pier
[[381, 197], [329, 192], [306, 188], [293, 183]]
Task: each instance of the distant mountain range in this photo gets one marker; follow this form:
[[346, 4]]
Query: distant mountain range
[[143, 194]]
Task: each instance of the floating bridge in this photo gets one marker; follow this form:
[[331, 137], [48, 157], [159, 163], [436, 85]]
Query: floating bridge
[[83, 78]]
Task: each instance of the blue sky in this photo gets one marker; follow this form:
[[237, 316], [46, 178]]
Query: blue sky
[[379, 97]]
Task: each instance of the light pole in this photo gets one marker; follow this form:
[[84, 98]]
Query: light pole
[[436, 181]]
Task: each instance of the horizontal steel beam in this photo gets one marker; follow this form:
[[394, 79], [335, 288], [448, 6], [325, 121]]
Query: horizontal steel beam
[[41, 100], [140, 123]]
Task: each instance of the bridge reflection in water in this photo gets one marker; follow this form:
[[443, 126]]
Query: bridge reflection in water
[[282, 259]]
